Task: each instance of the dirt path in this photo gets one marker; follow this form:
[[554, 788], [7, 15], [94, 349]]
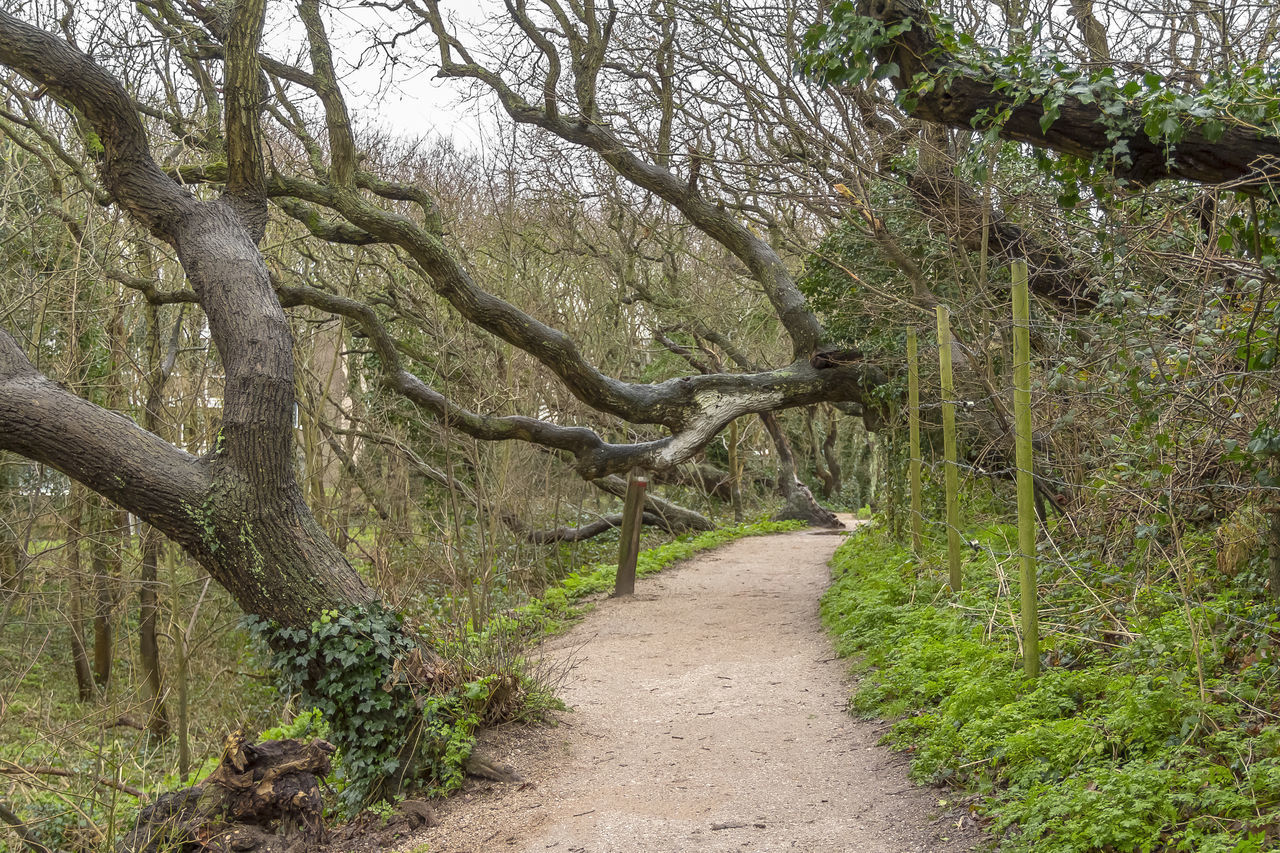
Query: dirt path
[[709, 715]]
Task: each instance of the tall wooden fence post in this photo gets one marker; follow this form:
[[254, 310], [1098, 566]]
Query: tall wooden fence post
[[735, 472], [952, 470], [913, 420], [1026, 484], [629, 540]]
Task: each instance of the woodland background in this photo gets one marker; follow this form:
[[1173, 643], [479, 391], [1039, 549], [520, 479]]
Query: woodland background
[[745, 159]]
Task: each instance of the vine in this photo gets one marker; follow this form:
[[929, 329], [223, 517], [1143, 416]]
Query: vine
[[844, 50], [356, 667]]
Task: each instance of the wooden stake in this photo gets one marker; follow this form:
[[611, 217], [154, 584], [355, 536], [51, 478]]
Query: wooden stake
[[735, 472], [1026, 484], [629, 541], [952, 470], [913, 415]]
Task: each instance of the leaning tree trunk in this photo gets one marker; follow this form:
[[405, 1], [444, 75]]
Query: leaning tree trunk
[[238, 511], [798, 502], [828, 483]]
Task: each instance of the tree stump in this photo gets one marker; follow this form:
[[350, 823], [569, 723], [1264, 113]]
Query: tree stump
[[262, 798]]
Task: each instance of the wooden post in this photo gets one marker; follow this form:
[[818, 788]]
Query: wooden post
[[1026, 484], [913, 417], [952, 471], [735, 472], [629, 541]]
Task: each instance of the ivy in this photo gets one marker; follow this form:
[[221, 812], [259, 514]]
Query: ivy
[[349, 666], [840, 51], [844, 49]]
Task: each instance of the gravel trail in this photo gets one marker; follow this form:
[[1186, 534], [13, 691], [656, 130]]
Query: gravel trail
[[708, 715]]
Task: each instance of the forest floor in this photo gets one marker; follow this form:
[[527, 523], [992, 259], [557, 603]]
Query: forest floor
[[708, 714]]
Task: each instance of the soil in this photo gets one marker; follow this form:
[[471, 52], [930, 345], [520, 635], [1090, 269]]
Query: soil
[[709, 714]]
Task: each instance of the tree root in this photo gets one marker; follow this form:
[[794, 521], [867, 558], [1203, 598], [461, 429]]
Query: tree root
[[262, 798]]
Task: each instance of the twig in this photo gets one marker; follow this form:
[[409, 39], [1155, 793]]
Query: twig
[[17, 770], [20, 827]]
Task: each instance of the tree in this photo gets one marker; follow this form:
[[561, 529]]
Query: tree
[[239, 510]]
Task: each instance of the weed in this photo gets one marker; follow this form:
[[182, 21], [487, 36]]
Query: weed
[[1114, 748]]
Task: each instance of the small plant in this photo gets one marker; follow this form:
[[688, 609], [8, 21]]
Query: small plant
[[1115, 747], [350, 666]]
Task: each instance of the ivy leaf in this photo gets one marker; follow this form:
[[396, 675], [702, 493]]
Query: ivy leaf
[[1050, 115], [886, 70]]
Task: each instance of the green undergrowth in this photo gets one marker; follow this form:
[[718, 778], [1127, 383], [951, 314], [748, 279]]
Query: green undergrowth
[[348, 668], [566, 601], [1150, 728]]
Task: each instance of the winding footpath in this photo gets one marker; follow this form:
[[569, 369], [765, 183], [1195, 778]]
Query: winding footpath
[[708, 715]]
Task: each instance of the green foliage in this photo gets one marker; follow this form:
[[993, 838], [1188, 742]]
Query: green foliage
[[350, 667], [562, 604], [558, 605], [843, 51], [1116, 747], [308, 724]]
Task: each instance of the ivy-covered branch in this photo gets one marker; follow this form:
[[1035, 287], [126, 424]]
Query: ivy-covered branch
[[1140, 128]]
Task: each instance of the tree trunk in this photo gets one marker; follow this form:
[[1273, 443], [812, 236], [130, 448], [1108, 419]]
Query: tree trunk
[[148, 647], [1273, 552], [819, 460], [830, 449], [950, 92], [75, 578], [798, 502], [735, 471], [105, 561], [238, 510], [11, 560]]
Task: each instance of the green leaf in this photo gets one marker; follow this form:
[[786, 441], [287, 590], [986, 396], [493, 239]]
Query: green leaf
[[1049, 117], [886, 70]]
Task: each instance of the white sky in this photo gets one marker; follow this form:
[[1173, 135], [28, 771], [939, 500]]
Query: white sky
[[414, 102]]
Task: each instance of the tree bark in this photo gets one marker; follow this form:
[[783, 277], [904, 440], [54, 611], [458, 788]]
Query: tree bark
[[830, 450], [239, 512], [105, 562], [75, 579], [1241, 154], [798, 502], [828, 484], [1273, 551], [12, 558]]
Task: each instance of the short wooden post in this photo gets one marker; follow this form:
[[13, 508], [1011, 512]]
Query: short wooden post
[[913, 420], [952, 470], [1026, 484], [629, 541]]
